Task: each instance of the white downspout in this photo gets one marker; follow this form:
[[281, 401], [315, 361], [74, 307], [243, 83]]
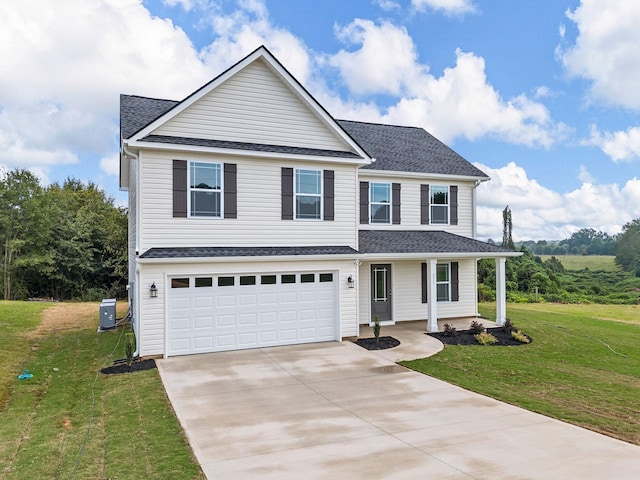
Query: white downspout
[[136, 288]]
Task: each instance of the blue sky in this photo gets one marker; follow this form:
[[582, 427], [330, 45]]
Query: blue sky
[[541, 95]]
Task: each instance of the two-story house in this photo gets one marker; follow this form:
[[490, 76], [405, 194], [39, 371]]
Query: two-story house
[[257, 219]]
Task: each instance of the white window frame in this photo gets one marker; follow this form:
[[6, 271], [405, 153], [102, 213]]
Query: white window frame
[[387, 204], [190, 189], [446, 282], [445, 205], [320, 195]]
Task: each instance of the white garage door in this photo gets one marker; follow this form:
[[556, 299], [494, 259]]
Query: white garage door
[[210, 313]]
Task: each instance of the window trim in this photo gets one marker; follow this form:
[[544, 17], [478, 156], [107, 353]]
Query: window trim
[[447, 282], [320, 195], [447, 205], [388, 204], [220, 191]]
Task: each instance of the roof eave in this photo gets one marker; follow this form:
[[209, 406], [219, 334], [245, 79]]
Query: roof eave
[[242, 152], [399, 173]]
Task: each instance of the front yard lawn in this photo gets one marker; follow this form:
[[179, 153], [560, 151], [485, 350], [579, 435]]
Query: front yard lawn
[[69, 421], [579, 368]]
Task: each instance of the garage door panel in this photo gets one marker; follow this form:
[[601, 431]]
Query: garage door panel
[[267, 318], [225, 321], [230, 315], [225, 300], [203, 322]]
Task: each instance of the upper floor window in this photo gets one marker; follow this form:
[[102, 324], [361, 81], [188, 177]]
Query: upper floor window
[[308, 194], [439, 202], [380, 203], [205, 189]]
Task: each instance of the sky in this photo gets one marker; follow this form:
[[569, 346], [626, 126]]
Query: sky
[[541, 95]]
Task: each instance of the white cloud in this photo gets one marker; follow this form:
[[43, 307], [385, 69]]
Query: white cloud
[[585, 176], [606, 49], [540, 213], [449, 7], [110, 164], [620, 146], [387, 5], [459, 103], [386, 61], [242, 31], [64, 65]]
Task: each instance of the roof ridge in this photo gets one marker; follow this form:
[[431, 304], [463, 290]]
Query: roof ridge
[[381, 124], [144, 97]]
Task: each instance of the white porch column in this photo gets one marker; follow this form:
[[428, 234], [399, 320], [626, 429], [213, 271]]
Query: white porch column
[[501, 291], [432, 296]]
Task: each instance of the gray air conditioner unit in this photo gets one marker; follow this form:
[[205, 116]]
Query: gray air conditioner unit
[[108, 314]]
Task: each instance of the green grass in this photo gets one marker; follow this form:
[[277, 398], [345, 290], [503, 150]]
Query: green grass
[[17, 320], [133, 432], [580, 368], [605, 263]]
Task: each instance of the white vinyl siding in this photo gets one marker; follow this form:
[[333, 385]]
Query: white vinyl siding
[[407, 292], [410, 206], [152, 316], [259, 208], [254, 106]]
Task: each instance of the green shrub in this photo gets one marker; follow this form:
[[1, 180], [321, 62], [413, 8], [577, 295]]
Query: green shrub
[[130, 347], [476, 327], [485, 338], [449, 330], [519, 336], [376, 327]]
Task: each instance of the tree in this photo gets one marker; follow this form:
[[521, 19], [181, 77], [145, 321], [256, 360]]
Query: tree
[[19, 191], [507, 226], [628, 247]]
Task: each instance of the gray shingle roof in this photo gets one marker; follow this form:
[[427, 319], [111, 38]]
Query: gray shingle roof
[[407, 149], [395, 148], [420, 241], [198, 252], [138, 112]]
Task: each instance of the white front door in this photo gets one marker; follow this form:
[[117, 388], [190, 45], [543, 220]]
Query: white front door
[[209, 313]]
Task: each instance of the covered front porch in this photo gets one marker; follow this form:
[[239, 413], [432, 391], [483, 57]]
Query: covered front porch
[[432, 275]]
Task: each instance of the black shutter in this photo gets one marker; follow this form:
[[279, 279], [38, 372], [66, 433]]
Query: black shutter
[[180, 188], [287, 193], [230, 191], [424, 204], [455, 287], [328, 194], [395, 203], [425, 280], [453, 205], [364, 202]]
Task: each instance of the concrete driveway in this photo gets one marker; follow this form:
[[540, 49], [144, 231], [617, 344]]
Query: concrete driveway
[[337, 411]]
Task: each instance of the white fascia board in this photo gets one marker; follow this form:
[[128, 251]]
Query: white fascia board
[[327, 258], [422, 256], [245, 153], [269, 258], [438, 176]]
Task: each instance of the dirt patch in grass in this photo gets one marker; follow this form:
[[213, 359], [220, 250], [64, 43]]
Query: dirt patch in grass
[[67, 316]]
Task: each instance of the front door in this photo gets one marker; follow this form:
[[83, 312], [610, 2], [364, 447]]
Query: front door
[[381, 293]]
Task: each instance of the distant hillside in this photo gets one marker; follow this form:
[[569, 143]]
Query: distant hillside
[[594, 263]]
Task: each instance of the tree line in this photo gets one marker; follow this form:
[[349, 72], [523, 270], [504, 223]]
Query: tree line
[[63, 241], [529, 278]]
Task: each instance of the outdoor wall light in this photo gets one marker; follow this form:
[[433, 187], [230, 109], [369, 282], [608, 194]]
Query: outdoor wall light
[[351, 282], [153, 290]]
